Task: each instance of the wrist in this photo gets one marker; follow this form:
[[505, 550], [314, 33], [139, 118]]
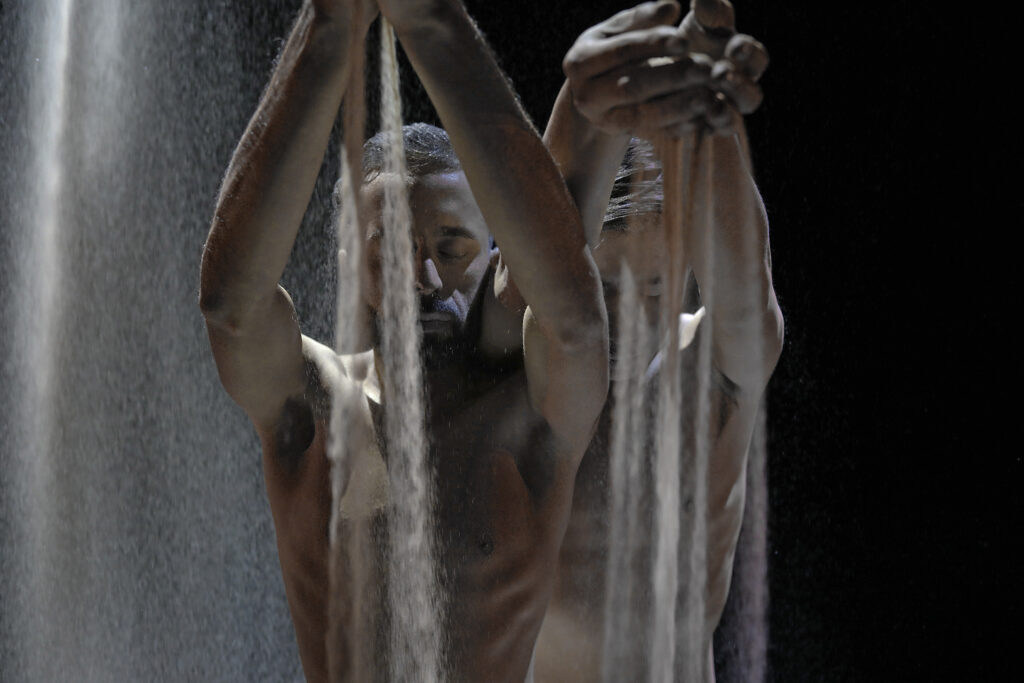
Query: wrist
[[424, 19], [328, 40]]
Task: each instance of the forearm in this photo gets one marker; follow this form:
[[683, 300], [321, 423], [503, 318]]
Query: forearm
[[273, 171], [513, 177], [728, 249], [588, 159]]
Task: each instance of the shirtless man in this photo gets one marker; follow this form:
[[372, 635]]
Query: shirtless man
[[613, 92], [504, 442]]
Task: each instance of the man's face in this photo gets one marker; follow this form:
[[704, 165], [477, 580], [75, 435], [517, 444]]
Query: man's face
[[642, 247], [451, 253]]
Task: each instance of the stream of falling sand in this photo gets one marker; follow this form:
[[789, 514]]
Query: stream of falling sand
[[676, 622], [413, 639], [625, 599], [412, 578]]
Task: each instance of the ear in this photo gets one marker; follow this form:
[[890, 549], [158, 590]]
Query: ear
[[505, 290]]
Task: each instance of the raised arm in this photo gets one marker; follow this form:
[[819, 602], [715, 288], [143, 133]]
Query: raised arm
[[702, 77], [526, 206], [637, 74], [586, 139], [250, 318]]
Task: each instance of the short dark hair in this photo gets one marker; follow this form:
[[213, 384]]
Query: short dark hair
[[638, 188], [427, 150]]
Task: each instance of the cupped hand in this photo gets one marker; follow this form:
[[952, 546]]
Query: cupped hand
[[636, 73], [739, 60]]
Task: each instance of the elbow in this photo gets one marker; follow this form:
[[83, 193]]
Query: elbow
[[212, 296], [581, 324], [774, 335], [228, 293], [583, 329], [219, 307], [216, 312], [211, 305]]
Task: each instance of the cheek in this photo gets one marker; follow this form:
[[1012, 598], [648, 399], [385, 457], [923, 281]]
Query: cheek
[[475, 273], [466, 280]]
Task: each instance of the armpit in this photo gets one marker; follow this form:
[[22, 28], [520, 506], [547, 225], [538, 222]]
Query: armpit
[[294, 432]]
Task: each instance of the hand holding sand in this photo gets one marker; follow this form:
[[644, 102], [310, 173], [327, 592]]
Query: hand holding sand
[[637, 73]]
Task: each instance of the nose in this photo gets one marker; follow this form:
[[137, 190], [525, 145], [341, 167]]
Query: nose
[[427, 279]]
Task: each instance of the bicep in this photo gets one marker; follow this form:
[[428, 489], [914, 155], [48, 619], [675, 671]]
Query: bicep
[[567, 385], [261, 362]]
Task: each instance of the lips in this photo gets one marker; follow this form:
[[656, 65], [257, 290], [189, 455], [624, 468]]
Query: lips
[[436, 316], [437, 323]]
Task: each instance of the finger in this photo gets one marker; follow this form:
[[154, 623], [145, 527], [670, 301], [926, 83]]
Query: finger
[[749, 56], [719, 114], [744, 93], [593, 57], [646, 15], [730, 126], [638, 83], [714, 15], [675, 110], [708, 41]]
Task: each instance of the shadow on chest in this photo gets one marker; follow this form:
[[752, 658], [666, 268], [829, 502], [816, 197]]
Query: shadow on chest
[[492, 460]]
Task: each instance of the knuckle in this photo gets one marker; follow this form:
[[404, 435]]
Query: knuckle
[[723, 72], [583, 98], [629, 86], [660, 40], [622, 51], [702, 65], [571, 64]]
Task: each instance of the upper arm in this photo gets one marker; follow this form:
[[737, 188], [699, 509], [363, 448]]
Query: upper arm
[[588, 159], [747, 348], [260, 361], [567, 384]]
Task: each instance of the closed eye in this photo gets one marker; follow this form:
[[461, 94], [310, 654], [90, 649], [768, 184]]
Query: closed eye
[[454, 249]]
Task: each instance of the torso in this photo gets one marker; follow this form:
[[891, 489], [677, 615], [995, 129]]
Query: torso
[[503, 500], [570, 647]]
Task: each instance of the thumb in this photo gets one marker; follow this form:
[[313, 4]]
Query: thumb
[[714, 14], [646, 15]]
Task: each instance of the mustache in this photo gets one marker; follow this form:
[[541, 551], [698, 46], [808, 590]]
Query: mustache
[[432, 304]]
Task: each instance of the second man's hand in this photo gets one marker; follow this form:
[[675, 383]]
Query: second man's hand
[[638, 74]]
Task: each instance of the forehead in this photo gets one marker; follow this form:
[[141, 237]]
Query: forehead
[[641, 246], [437, 200]]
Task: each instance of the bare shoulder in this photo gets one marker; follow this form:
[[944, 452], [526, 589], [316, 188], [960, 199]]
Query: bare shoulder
[[329, 377]]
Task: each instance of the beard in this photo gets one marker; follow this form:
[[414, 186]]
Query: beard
[[443, 332]]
